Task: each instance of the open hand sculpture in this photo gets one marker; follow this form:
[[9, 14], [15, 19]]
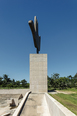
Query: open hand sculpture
[[36, 37]]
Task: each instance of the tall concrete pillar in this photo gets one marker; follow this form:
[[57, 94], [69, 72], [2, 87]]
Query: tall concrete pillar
[[38, 72]]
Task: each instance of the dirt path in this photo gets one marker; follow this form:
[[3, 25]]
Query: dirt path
[[60, 91], [65, 92]]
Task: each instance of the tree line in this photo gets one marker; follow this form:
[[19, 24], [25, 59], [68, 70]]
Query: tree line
[[54, 82], [7, 82], [57, 82]]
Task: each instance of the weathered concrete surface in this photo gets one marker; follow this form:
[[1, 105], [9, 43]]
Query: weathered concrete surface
[[6, 95], [19, 108], [38, 73], [35, 105], [14, 91], [57, 109], [5, 101]]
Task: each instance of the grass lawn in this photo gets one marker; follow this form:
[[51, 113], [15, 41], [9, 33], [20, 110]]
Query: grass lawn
[[70, 89], [68, 100]]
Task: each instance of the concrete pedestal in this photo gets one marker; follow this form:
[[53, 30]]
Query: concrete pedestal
[[38, 73]]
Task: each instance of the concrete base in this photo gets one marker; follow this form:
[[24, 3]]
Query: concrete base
[[38, 73], [35, 105], [57, 109]]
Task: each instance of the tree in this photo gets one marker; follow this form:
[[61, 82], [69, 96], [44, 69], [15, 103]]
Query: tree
[[49, 81], [6, 80], [23, 82], [75, 76], [55, 76], [62, 82], [13, 82], [5, 77], [1, 81], [17, 83], [70, 77]]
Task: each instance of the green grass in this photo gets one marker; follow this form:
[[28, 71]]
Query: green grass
[[68, 100], [70, 89]]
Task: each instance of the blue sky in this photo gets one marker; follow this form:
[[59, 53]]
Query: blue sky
[[57, 21]]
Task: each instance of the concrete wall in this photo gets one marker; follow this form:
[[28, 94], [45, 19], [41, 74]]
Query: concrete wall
[[38, 72], [57, 109]]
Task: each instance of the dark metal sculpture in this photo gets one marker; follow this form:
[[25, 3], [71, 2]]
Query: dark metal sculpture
[[36, 37]]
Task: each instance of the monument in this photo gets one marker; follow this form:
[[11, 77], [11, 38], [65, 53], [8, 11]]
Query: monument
[[36, 37], [38, 63]]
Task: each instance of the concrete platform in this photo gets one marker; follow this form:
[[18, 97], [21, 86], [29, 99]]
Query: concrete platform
[[14, 91], [35, 105]]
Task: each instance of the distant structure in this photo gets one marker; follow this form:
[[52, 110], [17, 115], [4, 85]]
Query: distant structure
[[34, 29]]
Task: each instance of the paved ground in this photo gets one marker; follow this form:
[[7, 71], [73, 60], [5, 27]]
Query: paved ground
[[5, 99], [13, 91], [35, 105]]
